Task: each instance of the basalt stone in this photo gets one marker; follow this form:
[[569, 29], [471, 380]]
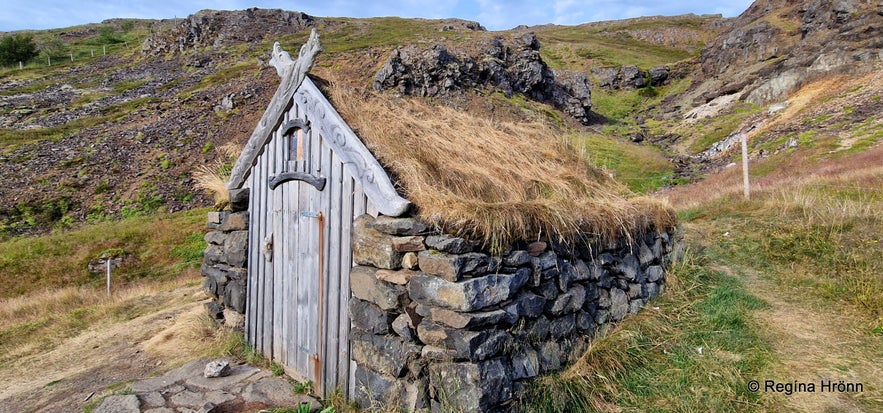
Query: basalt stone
[[592, 292], [569, 302], [566, 275], [550, 357], [214, 310], [215, 237], [472, 387], [234, 296], [234, 221], [634, 290], [468, 345], [236, 248], [562, 326], [645, 255], [539, 329], [369, 317], [399, 226], [403, 326], [452, 267], [372, 389], [635, 305], [470, 295], [654, 273], [628, 267], [372, 247], [408, 244], [619, 304], [601, 317], [239, 199], [545, 261], [651, 290], [214, 254], [530, 304], [621, 283], [606, 259], [516, 258], [471, 320], [434, 353], [449, 244], [367, 287], [604, 298], [548, 290], [584, 322], [605, 282], [385, 354], [525, 363]]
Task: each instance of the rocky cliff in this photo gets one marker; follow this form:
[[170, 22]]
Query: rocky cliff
[[778, 45]]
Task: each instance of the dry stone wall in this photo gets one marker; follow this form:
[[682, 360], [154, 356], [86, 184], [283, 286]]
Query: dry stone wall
[[439, 324], [225, 260]]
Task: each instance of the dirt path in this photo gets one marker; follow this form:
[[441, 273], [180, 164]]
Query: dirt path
[[105, 355], [814, 344]]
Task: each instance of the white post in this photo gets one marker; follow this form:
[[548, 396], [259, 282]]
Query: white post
[[49, 60], [20, 65], [92, 51], [745, 185], [109, 259], [72, 56], [104, 47]]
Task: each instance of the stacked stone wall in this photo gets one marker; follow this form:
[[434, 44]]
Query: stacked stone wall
[[225, 260], [439, 324]]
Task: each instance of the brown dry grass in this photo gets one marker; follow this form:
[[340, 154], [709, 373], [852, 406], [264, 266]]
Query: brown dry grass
[[495, 181]]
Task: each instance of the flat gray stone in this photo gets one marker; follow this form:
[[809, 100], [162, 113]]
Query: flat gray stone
[[152, 399], [197, 400], [120, 404], [276, 392], [192, 369], [237, 374], [159, 410]]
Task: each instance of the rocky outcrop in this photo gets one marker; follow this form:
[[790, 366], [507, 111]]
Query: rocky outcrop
[[508, 65], [213, 28], [778, 45]]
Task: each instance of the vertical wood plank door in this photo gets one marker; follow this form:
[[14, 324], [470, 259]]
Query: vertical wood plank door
[[298, 251]]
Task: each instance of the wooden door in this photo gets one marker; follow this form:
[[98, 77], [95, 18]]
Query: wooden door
[[300, 262]]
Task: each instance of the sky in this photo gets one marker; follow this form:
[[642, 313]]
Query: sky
[[493, 14]]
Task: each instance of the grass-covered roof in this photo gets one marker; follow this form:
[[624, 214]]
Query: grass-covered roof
[[490, 180]]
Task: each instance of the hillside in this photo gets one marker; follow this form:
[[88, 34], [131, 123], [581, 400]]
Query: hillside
[[100, 156]]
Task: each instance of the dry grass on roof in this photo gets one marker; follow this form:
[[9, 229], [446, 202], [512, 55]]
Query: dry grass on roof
[[494, 181]]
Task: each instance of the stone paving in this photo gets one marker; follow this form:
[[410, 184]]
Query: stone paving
[[187, 390]]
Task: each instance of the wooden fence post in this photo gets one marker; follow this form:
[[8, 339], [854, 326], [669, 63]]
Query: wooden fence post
[[745, 184]]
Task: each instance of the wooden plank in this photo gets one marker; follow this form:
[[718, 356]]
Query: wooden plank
[[305, 274], [346, 263], [292, 245], [252, 269], [292, 73], [278, 144], [260, 213], [332, 330], [327, 356], [365, 168], [270, 168]]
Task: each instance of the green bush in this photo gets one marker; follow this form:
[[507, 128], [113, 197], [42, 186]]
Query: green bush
[[17, 48]]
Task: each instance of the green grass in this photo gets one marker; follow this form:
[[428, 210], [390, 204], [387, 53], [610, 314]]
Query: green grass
[[711, 130], [641, 168], [653, 361], [158, 246]]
